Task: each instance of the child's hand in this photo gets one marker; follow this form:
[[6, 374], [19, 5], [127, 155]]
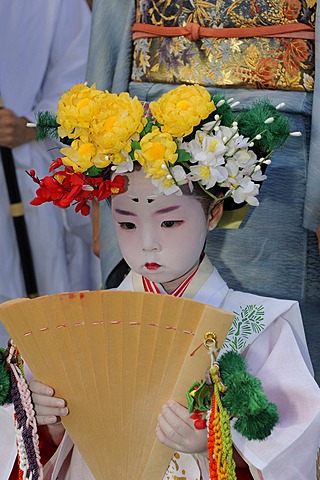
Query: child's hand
[[176, 430], [48, 408]]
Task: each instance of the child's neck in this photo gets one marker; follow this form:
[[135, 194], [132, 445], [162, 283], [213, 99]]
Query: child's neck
[[169, 287]]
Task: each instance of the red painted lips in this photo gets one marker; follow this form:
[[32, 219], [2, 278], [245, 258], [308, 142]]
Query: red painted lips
[[152, 266]]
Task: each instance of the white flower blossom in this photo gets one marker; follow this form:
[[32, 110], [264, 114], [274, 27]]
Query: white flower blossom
[[219, 155], [208, 175], [209, 149], [166, 186], [233, 140], [258, 176], [245, 159], [246, 192], [125, 166]]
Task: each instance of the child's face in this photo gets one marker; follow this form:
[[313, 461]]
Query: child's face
[[161, 237]]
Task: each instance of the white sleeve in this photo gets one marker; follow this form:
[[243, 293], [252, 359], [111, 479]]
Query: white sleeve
[[69, 53], [276, 359], [8, 449]]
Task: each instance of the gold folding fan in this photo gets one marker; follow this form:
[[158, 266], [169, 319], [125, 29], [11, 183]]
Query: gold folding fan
[[116, 357]]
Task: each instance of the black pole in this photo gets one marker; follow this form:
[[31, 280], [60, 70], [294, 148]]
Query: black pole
[[17, 213]]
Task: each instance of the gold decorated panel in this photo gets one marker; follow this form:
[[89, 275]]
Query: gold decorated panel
[[256, 62]]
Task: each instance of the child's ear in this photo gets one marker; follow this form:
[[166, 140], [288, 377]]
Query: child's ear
[[215, 215]]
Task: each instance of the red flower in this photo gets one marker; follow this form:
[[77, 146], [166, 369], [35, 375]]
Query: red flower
[[55, 164], [199, 418], [67, 187]]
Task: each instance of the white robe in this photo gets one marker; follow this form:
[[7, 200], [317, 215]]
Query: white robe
[[278, 355], [44, 49]]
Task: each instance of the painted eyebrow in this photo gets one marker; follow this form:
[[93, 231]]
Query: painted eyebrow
[[125, 212], [167, 210]]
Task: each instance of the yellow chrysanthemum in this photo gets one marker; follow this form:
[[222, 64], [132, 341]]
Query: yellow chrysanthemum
[[81, 156], [119, 120], [157, 149], [181, 109], [76, 109], [118, 158]]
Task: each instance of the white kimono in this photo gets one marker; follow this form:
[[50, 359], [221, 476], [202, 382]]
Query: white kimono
[[44, 49], [273, 343]]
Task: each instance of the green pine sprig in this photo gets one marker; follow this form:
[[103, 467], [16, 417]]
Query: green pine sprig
[[47, 126], [251, 123], [223, 109]]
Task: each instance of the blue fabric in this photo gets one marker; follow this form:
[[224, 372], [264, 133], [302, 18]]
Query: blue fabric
[[312, 201], [272, 253]]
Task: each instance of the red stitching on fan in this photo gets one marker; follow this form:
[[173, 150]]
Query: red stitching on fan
[[115, 322], [188, 331]]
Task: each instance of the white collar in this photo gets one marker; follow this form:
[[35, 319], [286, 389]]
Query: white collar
[[198, 288]]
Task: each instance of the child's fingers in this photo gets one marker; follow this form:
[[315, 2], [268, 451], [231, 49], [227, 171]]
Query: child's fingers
[[172, 430], [47, 419], [50, 412], [50, 402], [163, 437], [51, 409], [181, 412], [41, 388], [48, 408], [176, 430], [175, 420]]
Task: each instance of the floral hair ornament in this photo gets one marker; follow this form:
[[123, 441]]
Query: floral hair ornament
[[187, 136]]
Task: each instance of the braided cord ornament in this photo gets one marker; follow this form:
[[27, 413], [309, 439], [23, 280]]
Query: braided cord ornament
[[221, 463], [30, 467]]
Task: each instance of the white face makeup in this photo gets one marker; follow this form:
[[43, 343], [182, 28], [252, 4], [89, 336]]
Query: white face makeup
[[161, 237]]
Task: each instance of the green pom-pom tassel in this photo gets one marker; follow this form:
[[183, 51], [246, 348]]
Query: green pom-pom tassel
[[244, 395], [258, 427], [47, 126], [231, 363], [252, 123], [4, 380], [245, 398]]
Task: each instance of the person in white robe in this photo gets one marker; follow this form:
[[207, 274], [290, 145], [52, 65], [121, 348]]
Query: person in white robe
[[268, 332], [44, 50]]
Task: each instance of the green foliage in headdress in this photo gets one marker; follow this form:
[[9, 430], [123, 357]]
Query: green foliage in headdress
[[47, 126], [251, 122], [224, 111]]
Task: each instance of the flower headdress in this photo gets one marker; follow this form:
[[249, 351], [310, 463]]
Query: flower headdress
[[186, 136]]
